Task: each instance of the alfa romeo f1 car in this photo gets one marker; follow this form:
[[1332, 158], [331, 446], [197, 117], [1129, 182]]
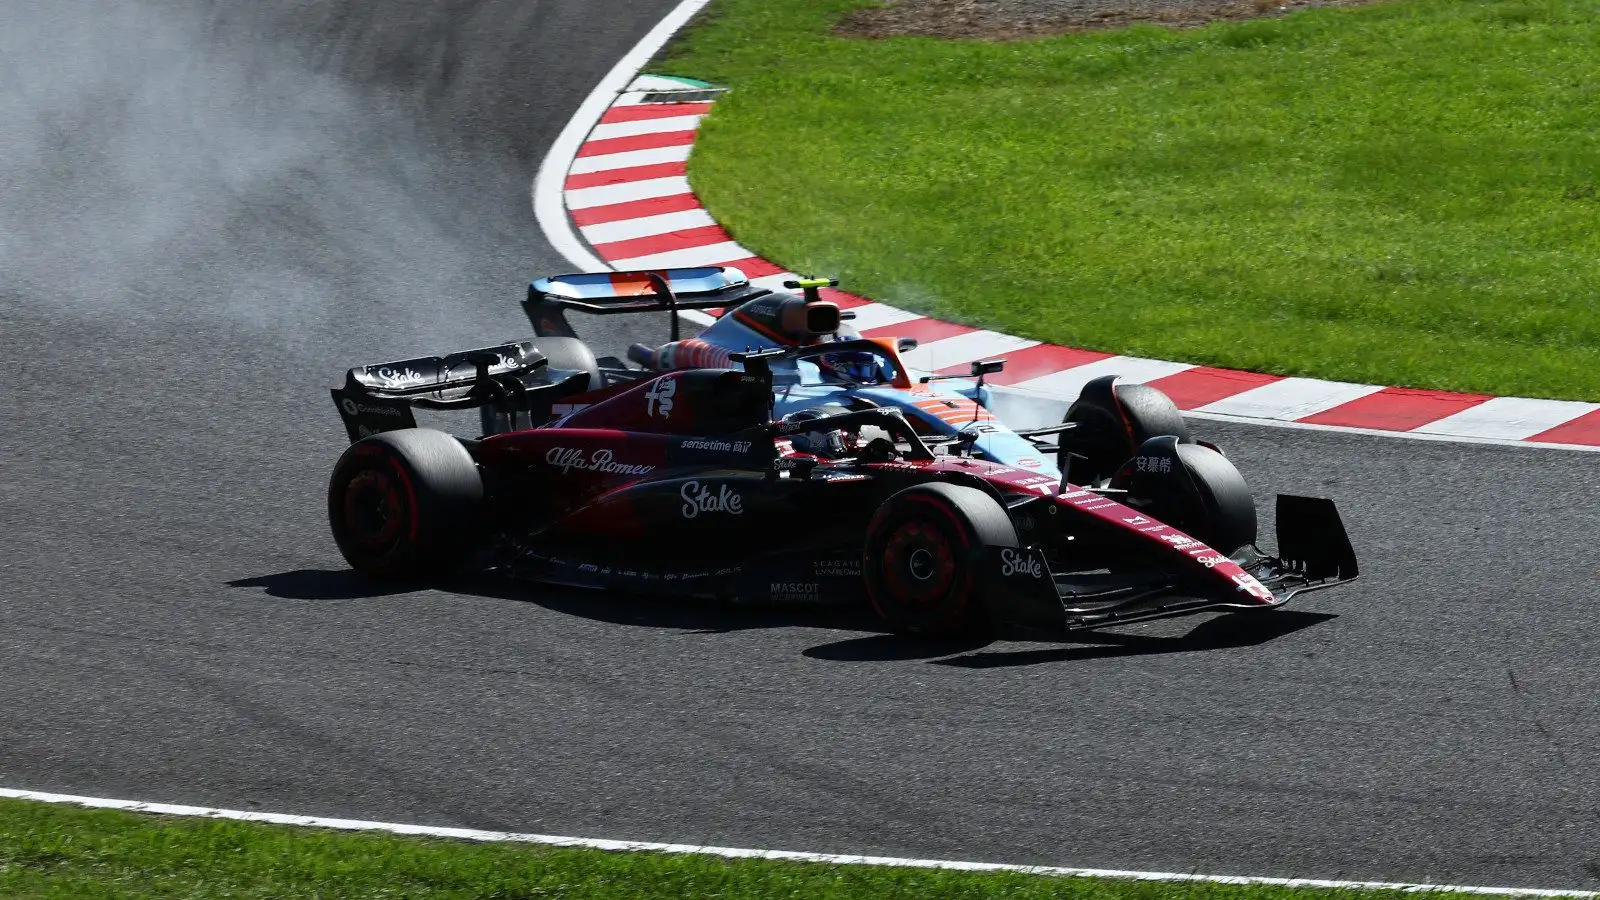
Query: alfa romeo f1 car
[[780, 456]]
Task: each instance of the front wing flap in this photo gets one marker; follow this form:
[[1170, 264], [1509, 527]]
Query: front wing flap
[[1314, 552]]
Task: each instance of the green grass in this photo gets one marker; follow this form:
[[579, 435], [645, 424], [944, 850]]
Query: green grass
[[51, 851], [1404, 193]]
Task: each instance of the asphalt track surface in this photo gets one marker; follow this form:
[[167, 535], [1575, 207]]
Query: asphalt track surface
[[207, 213]]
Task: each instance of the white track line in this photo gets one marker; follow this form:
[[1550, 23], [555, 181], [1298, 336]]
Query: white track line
[[547, 185], [472, 834]]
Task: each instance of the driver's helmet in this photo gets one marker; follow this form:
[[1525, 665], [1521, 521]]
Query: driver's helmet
[[855, 365], [823, 443]]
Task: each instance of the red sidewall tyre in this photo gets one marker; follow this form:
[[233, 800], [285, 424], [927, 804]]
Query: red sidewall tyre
[[925, 555], [403, 504]]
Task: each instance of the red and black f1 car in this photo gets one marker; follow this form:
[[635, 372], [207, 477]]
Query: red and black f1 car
[[685, 483]]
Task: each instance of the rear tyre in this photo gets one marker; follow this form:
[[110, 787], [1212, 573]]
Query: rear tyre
[[570, 354], [924, 559], [403, 504], [1113, 421]]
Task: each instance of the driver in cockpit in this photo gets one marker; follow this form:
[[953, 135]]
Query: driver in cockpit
[[824, 443], [784, 319], [851, 366], [859, 442]]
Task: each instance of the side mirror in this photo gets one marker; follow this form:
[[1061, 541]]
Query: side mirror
[[984, 367], [981, 369], [811, 288], [906, 345]]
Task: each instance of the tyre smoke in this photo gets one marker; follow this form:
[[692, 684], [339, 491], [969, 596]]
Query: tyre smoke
[[171, 161]]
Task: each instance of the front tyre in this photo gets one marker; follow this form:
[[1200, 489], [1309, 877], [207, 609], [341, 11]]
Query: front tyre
[[1113, 421], [1192, 488], [403, 504], [924, 558]]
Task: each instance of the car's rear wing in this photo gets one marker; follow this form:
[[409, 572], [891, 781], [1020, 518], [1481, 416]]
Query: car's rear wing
[[611, 293], [506, 381]]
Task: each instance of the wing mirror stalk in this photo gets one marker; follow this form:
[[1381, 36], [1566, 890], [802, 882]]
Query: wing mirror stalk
[[981, 369], [811, 288]]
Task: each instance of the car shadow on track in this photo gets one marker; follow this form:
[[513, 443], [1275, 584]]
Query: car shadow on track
[[693, 616], [323, 584], [1231, 630]]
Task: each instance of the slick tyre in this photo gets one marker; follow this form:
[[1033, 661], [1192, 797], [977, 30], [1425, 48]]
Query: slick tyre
[[924, 559], [403, 504], [1113, 421], [1195, 489]]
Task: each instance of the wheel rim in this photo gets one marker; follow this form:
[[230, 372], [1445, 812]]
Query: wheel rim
[[374, 510], [919, 564]]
